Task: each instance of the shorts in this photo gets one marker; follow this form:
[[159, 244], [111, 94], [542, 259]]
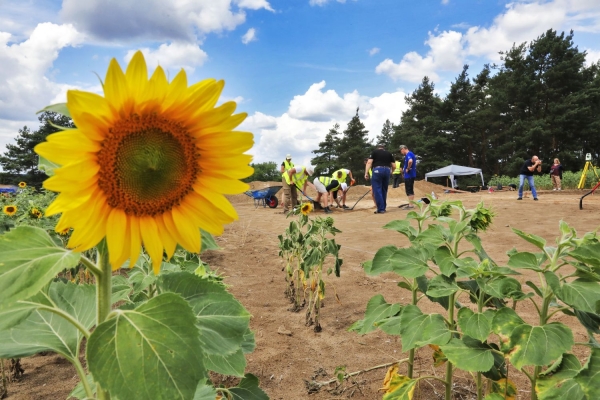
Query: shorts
[[409, 186], [319, 185]]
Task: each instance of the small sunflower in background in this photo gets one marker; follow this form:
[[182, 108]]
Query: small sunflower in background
[[22, 185], [10, 210], [65, 232], [306, 208], [149, 164], [35, 213]]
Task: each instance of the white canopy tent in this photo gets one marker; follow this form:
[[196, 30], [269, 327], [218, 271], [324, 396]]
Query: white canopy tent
[[455, 170]]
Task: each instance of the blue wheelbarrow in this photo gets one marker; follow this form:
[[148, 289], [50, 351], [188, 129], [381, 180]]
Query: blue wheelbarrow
[[265, 197]]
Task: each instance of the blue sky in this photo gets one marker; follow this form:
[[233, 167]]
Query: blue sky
[[296, 67]]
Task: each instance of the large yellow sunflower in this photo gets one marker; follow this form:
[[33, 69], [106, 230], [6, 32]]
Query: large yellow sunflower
[[22, 184], [10, 210], [149, 163]]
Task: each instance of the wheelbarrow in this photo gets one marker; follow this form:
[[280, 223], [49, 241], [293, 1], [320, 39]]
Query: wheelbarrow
[[265, 197]]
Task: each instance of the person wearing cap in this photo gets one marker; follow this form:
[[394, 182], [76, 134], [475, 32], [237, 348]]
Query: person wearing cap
[[410, 173], [340, 175], [396, 174], [325, 186], [383, 165], [285, 165], [296, 177]]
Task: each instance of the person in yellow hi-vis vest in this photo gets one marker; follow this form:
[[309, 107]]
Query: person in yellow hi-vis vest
[[296, 177], [326, 187], [370, 180], [285, 165], [340, 175], [396, 174]]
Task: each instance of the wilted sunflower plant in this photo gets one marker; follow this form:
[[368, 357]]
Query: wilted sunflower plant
[[146, 168], [305, 247]]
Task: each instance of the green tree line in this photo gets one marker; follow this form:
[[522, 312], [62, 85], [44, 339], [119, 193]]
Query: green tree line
[[542, 99]]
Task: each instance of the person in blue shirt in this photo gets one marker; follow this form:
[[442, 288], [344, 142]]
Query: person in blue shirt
[[410, 173]]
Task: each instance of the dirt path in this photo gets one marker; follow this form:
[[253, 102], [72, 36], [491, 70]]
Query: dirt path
[[249, 259]]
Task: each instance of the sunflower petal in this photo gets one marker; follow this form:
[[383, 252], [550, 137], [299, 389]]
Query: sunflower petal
[[137, 75], [152, 243], [116, 229], [115, 86]]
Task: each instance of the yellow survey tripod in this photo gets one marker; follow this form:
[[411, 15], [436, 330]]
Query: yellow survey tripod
[[588, 166]]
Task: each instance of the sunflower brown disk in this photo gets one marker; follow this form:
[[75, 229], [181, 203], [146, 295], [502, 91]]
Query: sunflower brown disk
[[148, 165]]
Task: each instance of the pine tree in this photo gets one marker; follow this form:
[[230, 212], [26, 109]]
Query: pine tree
[[326, 156], [354, 148], [386, 135], [421, 129], [20, 158]]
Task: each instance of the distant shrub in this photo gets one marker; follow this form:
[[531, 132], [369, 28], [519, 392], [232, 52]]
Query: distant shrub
[[570, 180]]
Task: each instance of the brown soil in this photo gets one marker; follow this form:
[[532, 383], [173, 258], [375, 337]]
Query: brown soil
[[249, 259]]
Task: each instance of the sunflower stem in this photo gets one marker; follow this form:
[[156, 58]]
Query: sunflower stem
[[103, 294]]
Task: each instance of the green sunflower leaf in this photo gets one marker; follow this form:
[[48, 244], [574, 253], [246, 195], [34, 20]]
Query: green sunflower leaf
[[222, 320], [46, 331], [524, 260], [441, 286], [557, 383], [581, 294], [400, 388], [537, 241], [377, 309], [208, 242], [469, 354], [248, 389], [152, 352], [410, 263], [504, 323], [59, 108], [29, 259], [47, 166], [475, 325], [418, 329], [589, 377], [539, 345], [231, 364], [205, 392]]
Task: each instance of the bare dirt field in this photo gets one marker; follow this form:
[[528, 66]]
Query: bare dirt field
[[284, 362]]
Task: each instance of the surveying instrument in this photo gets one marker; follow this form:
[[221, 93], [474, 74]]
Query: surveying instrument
[[588, 166]]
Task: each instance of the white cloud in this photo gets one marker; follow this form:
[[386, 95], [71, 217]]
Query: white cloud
[[523, 21], [323, 2], [24, 69], [446, 54], [593, 56], [179, 20], [173, 56], [254, 4], [316, 105], [445, 2], [309, 118], [249, 36], [374, 51]]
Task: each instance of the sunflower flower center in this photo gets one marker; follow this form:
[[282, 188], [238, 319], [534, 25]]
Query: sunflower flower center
[[148, 164]]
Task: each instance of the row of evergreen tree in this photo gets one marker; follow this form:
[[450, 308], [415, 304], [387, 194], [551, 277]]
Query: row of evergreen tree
[[542, 99]]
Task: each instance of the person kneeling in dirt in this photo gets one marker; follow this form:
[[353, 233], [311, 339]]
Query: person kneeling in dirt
[[324, 185], [340, 175], [334, 192]]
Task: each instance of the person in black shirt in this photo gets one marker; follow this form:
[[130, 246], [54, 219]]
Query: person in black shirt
[[527, 170], [383, 165]]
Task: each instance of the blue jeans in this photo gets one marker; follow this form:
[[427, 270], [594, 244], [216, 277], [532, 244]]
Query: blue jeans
[[380, 182], [531, 185]]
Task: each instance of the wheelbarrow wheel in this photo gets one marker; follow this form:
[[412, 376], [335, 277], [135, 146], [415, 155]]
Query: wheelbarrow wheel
[[272, 202]]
